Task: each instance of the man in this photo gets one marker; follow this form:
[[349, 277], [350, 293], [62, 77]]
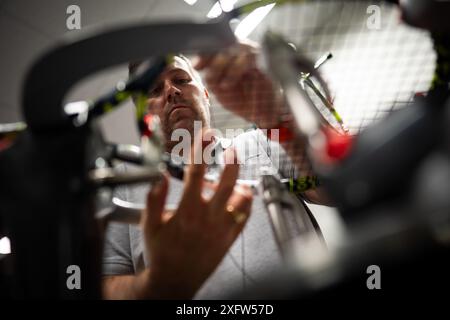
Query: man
[[180, 270]]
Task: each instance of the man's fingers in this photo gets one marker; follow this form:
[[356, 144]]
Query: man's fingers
[[203, 61], [194, 172], [156, 199], [227, 180], [217, 69], [239, 65], [238, 209]]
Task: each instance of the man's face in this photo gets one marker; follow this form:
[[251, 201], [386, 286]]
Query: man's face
[[178, 99]]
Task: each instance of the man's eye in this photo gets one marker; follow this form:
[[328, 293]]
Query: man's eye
[[155, 91], [182, 80]]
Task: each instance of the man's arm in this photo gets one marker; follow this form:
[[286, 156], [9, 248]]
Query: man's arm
[[242, 88], [131, 287], [144, 286]]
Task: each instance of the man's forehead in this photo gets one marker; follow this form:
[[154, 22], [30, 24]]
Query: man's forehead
[[178, 64]]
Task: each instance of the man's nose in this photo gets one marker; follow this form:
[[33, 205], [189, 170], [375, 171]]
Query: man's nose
[[172, 92]]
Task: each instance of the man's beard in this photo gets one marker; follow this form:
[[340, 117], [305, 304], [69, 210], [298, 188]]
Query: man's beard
[[169, 130], [195, 114]]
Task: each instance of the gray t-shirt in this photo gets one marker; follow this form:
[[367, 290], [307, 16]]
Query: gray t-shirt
[[254, 253]]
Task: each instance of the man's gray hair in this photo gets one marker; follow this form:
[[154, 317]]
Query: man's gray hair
[[133, 67]]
